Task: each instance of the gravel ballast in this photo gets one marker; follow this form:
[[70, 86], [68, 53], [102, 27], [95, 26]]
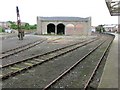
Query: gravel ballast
[[42, 48], [41, 75]]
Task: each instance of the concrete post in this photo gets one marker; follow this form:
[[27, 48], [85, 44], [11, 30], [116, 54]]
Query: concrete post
[[55, 30]]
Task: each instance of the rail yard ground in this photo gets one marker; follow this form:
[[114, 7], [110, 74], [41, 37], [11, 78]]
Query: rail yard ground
[[47, 61]]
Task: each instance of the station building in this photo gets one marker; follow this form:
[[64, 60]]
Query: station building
[[64, 25]]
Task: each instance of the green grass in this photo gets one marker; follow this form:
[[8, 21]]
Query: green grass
[[0, 29]]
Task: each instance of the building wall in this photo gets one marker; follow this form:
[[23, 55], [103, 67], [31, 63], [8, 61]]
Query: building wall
[[4, 24], [39, 28], [71, 28]]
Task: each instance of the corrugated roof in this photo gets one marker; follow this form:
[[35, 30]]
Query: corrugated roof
[[63, 19]]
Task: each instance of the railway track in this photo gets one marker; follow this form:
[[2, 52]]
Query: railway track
[[12, 36], [87, 85], [56, 80], [11, 52], [49, 51], [16, 68]]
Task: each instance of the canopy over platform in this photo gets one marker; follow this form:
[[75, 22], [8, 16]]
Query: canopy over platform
[[114, 7]]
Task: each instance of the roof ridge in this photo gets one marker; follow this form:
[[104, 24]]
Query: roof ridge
[[63, 18]]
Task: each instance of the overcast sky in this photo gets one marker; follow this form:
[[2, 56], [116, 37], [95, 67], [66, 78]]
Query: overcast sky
[[30, 9]]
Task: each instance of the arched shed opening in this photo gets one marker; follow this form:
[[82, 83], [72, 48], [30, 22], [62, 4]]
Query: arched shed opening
[[60, 29], [51, 28]]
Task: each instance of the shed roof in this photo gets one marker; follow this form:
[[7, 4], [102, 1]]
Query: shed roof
[[63, 19]]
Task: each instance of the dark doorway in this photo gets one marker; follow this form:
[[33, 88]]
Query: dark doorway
[[51, 28], [60, 29]]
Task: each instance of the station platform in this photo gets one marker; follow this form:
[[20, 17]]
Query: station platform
[[109, 79]]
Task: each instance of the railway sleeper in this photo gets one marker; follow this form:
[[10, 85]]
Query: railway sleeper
[[16, 70], [13, 73], [59, 53]]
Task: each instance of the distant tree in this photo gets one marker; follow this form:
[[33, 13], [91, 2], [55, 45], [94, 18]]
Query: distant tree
[[13, 25], [100, 28], [33, 26], [10, 22], [23, 27], [27, 26]]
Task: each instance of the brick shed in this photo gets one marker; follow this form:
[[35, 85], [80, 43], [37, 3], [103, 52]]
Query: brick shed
[[64, 25]]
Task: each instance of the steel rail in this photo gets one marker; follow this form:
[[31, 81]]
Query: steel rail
[[35, 56], [39, 61], [98, 64], [7, 51], [20, 49], [69, 69], [23, 48]]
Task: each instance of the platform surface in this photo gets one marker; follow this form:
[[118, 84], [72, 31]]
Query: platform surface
[[109, 77]]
